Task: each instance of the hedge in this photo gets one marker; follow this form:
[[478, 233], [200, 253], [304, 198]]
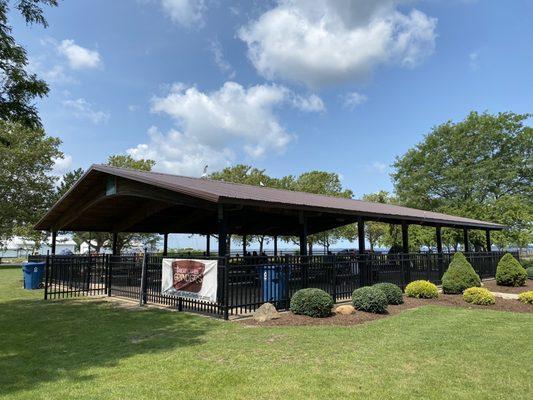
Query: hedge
[[312, 302], [479, 295], [422, 290], [509, 272], [370, 299], [392, 292], [459, 276], [526, 297]]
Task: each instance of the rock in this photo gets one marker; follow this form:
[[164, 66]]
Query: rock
[[265, 313], [345, 309]]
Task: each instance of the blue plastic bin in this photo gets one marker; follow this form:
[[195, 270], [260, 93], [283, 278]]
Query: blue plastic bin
[[273, 282], [33, 274]]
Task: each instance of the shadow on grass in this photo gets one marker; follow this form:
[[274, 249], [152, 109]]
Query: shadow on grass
[[47, 341]]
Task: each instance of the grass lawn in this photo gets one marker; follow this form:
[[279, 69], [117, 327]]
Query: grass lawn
[[95, 350]]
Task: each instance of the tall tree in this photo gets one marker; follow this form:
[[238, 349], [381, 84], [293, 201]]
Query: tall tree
[[26, 183], [480, 168], [18, 88], [67, 181]]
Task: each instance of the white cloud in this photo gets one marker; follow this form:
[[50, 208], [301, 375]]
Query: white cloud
[[223, 65], [54, 75], [353, 99], [79, 57], [178, 153], [377, 166], [82, 109], [185, 12], [332, 41], [62, 165], [215, 127], [133, 107]]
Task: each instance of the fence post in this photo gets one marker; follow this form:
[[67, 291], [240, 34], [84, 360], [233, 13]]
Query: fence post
[[226, 287], [334, 276], [109, 274], [142, 297], [287, 282], [46, 275]]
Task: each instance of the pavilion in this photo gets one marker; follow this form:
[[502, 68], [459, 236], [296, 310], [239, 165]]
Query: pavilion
[[110, 199]]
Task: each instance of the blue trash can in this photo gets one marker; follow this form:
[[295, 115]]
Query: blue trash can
[[273, 283], [33, 274]]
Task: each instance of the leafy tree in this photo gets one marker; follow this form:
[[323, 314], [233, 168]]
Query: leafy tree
[[67, 181], [26, 185], [127, 161], [478, 168], [17, 87]]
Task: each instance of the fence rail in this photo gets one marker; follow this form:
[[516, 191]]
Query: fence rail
[[244, 283]]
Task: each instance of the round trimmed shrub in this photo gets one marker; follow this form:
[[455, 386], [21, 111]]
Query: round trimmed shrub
[[526, 297], [509, 272], [459, 276], [312, 302], [369, 299], [478, 295], [527, 263], [422, 290], [529, 272], [392, 292]]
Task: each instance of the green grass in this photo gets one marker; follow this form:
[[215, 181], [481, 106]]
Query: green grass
[[94, 350]]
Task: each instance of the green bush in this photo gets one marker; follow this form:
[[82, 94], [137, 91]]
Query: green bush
[[527, 263], [459, 276], [422, 290], [312, 302], [526, 297], [478, 295], [529, 272], [392, 292], [369, 299], [509, 272]]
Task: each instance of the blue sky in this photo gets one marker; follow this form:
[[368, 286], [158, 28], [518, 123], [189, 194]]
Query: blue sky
[[286, 86]]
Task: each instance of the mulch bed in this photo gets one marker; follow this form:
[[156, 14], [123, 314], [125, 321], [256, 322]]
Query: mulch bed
[[493, 287], [290, 319]]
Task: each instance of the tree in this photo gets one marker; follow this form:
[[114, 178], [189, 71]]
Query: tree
[[375, 231], [67, 181], [26, 183], [477, 168], [127, 161], [17, 87]]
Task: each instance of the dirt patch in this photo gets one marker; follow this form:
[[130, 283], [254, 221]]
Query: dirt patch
[[290, 319], [493, 287]]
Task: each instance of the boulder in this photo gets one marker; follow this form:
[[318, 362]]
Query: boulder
[[265, 313], [345, 309]]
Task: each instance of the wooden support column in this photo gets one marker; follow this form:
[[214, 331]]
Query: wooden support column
[[243, 245], [53, 247], [361, 235], [406, 265], [114, 245], [303, 234], [222, 231], [275, 245], [466, 240], [165, 244], [440, 260], [208, 245], [365, 275], [487, 238], [405, 237]]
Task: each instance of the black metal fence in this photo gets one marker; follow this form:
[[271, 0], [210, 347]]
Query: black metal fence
[[244, 283]]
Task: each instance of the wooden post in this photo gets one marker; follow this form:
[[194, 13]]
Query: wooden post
[[222, 231], [165, 244], [208, 245], [275, 245], [405, 253], [440, 260], [364, 275], [115, 243], [54, 236], [466, 240], [243, 245], [487, 238], [303, 234]]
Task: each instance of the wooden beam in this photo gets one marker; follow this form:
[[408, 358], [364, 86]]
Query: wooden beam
[[405, 237], [115, 243], [303, 234], [145, 211], [438, 232], [222, 219], [487, 238], [361, 235], [53, 247], [94, 196], [275, 245], [466, 240], [165, 244]]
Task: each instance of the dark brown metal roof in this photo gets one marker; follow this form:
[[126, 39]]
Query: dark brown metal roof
[[218, 192]]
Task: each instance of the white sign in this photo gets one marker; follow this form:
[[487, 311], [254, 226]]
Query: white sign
[[194, 279]]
